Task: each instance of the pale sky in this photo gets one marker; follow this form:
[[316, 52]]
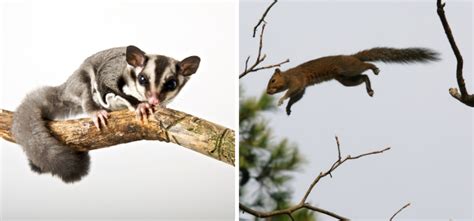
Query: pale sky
[[430, 164]]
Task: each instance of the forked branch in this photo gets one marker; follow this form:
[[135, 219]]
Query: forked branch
[[165, 125], [303, 202], [260, 57], [464, 96]]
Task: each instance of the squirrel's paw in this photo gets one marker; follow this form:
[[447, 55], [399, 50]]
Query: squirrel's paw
[[100, 118], [144, 110], [280, 102], [376, 71]]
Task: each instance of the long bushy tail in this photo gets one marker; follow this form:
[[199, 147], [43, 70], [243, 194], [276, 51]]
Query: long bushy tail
[[404, 55], [44, 152]]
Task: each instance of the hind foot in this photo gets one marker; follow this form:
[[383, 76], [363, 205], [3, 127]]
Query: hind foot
[[376, 71]]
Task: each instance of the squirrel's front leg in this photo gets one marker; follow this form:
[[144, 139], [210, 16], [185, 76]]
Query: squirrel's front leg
[[282, 99], [289, 93]]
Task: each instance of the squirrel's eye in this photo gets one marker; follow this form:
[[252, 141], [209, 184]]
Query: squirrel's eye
[[142, 80], [273, 81], [170, 85]]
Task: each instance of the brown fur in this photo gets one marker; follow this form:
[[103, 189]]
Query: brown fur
[[346, 69]]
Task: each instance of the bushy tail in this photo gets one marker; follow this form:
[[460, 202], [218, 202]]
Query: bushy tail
[[405, 55], [45, 153]]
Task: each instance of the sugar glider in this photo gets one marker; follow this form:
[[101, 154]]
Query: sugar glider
[[113, 79]]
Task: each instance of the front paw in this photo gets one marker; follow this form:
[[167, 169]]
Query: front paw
[[280, 102], [100, 118], [144, 110]]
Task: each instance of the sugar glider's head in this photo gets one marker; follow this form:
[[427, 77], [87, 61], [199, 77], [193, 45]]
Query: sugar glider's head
[[277, 83], [157, 78]]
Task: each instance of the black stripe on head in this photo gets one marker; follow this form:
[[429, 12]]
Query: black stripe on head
[[133, 75], [121, 83], [161, 63]]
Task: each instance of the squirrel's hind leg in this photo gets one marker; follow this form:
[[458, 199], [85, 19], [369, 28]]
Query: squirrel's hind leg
[[372, 67], [356, 80]]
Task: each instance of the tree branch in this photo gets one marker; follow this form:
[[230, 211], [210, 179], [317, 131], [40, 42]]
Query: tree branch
[[464, 96], [260, 58], [303, 203], [262, 19], [407, 205], [164, 125]]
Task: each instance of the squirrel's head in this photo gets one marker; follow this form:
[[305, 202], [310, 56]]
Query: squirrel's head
[[277, 83]]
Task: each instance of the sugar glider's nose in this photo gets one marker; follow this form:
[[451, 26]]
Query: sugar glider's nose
[[153, 100]]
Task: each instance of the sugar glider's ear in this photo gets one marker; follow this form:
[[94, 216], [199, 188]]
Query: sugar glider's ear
[[188, 66], [135, 56]]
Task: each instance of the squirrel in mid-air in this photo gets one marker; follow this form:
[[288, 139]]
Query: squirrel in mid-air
[[347, 69], [113, 79]]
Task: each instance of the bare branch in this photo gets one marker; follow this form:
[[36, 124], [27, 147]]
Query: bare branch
[[308, 206], [464, 96], [407, 205], [260, 57], [165, 125], [289, 210], [338, 149], [334, 167], [303, 203], [262, 19], [291, 217]]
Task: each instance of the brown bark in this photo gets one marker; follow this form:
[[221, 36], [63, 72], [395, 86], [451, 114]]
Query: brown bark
[[165, 125]]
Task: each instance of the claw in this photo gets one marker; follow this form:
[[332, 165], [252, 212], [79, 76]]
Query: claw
[[100, 118], [143, 110]]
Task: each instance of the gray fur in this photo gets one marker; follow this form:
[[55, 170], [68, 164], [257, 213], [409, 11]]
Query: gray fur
[[45, 153], [93, 87]]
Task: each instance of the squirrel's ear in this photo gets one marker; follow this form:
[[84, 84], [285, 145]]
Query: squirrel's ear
[[135, 56], [277, 71]]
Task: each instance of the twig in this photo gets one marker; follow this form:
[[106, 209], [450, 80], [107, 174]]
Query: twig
[[291, 217], [260, 57], [303, 203], [334, 167], [407, 205], [165, 125], [338, 149], [262, 19], [464, 96]]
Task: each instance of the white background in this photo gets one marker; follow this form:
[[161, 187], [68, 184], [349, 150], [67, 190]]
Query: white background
[[430, 164], [43, 42]]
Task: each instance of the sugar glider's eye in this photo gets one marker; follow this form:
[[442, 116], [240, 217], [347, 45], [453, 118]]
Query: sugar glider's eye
[[142, 80], [170, 85]]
